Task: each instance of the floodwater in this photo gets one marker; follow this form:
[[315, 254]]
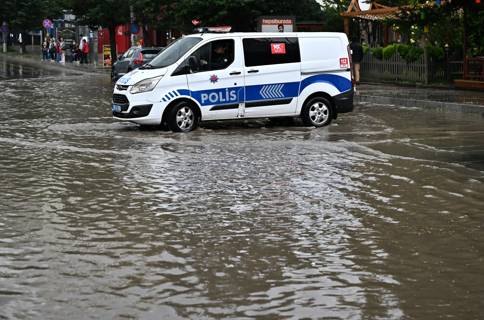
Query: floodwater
[[378, 216]]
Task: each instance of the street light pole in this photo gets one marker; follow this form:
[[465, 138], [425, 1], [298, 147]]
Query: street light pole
[[131, 18], [4, 30]]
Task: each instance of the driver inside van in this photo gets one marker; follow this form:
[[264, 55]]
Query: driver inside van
[[220, 57]]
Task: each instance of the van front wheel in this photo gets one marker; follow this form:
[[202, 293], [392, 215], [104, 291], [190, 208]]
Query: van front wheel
[[317, 112], [183, 118]]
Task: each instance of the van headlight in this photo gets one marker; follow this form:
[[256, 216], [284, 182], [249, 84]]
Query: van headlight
[[145, 85]]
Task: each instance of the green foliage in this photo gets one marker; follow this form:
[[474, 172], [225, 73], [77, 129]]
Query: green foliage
[[389, 51], [106, 13], [333, 22], [435, 52], [445, 24], [28, 14], [366, 49], [413, 54], [377, 52], [240, 14], [476, 35], [409, 53], [403, 50]]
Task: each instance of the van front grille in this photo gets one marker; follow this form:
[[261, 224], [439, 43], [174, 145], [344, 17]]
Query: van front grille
[[120, 99]]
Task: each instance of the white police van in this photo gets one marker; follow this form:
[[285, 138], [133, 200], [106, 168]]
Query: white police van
[[214, 76]]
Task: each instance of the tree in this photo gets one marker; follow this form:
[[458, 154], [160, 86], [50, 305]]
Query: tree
[[105, 13], [240, 14], [28, 14], [456, 23], [331, 11]]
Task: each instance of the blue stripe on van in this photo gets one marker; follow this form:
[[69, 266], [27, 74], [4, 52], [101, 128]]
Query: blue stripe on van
[[341, 83], [271, 91], [184, 92]]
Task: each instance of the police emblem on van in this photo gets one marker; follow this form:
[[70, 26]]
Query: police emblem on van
[[213, 78]]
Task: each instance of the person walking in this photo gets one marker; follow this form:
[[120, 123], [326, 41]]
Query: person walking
[[20, 43], [58, 51], [45, 49], [75, 52], [356, 57], [52, 49], [62, 51], [85, 51]]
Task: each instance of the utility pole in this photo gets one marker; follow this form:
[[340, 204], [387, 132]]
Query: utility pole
[[4, 30], [131, 18]]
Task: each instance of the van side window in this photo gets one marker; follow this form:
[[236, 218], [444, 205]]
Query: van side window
[[216, 55], [267, 51]]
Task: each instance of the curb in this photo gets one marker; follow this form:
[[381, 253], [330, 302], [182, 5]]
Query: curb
[[423, 104]]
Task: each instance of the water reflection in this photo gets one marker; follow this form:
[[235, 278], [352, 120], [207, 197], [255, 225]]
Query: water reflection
[[19, 69]]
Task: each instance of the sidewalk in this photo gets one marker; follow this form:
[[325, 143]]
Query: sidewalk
[[439, 99], [36, 59]]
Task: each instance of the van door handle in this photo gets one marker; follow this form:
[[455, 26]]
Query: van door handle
[[234, 73], [253, 71]]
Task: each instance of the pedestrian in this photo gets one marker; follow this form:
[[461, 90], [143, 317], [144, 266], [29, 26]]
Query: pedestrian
[[20, 43], [85, 51], [356, 57], [58, 52], [62, 51], [45, 49], [75, 51], [52, 49], [81, 41]]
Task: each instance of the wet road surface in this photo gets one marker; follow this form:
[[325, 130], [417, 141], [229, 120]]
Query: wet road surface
[[378, 216]]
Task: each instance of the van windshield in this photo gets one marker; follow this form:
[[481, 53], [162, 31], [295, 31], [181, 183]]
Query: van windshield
[[174, 52]]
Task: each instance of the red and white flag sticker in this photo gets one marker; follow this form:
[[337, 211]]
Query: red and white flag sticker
[[343, 63], [278, 48]]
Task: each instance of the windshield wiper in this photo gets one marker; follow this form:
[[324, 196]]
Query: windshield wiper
[[150, 66]]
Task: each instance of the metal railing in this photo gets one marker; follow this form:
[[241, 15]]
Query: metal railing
[[423, 70], [474, 68]]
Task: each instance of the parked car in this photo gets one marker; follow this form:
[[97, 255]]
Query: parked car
[[133, 58]]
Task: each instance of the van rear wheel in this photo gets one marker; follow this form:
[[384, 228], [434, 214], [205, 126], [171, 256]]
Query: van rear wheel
[[317, 112], [183, 117]]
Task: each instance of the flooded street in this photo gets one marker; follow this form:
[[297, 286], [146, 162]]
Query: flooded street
[[378, 216]]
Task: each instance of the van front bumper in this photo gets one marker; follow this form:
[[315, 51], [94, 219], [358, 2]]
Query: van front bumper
[[137, 109], [344, 101], [135, 112]]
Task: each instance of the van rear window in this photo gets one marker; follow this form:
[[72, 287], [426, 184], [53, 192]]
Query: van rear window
[[268, 51]]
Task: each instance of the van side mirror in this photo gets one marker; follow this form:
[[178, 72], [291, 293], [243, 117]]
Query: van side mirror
[[193, 63]]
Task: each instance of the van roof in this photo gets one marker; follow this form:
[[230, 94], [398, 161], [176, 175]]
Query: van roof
[[270, 34]]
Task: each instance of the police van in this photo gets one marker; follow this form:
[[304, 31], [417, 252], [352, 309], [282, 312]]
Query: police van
[[217, 76]]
